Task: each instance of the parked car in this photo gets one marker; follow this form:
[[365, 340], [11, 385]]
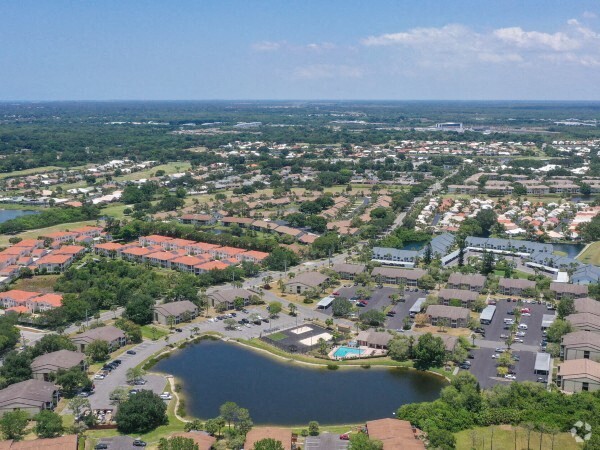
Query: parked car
[[139, 443], [542, 380], [344, 437], [471, 356], [131, 352], [179, 330], [99, 376], [516, 357], [166, 396], [522, 326], [465, 366], [510, 376], [101, 446]]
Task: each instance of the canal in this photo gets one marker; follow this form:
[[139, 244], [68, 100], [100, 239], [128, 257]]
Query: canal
[[284, 393]]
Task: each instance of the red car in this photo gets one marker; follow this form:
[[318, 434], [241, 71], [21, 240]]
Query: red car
[[336, 293], [345, 437]]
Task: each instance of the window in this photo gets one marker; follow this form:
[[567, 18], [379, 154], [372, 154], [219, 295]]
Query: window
[[585, 386], [586, 354]]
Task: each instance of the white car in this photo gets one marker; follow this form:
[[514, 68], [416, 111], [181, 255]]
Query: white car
[[521, 333], [510, 377], [526, 314], [522, 326], [166, 396], [495, 356], [99, 376], [519, 340]]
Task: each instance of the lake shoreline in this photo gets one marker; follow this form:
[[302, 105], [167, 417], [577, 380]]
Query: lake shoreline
[[280, 359]]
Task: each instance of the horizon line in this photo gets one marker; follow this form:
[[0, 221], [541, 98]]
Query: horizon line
[[296, 100]]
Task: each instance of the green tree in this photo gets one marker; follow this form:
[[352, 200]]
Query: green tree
[[71, 380], [16, 367], [177, 443], [48, 424], [274, 308], [429, 352], [558, 329], [441, 439], [313, 428], [426, 282], [268, 444], [78, 405], [13, 424], [98, 350], [487, 263], [373, 318], [140, 309], [341, 307], [565, 307], [399, 348], [292, 308], [141, 413], [361, 441]]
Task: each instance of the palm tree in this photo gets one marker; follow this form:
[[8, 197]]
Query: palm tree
[[292, 309]]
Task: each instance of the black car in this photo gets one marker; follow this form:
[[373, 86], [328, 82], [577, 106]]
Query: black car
[[101, 446], [117, 362], [465, 366], [131, 352], [179, 330], [244, 320], [471, 356], [265, 320], [233, 314]]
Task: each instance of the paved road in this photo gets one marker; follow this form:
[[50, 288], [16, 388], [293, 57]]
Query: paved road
[[108, 315]]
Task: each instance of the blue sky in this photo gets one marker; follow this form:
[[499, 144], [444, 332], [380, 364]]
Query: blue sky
[[311, 49]]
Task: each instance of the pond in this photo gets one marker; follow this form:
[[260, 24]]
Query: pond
[[572, 250], [8, 214], [283, 393]]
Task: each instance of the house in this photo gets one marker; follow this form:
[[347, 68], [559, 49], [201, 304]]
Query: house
[[392, 275], [161, 259], [48, 363], [305, 281], [580, 345], [154, 239], [175, 311], [584, 322], [186, 263], [113, 336], [466, 298], [44, 302], [203, 440], [394, 434], [137, 253], [60, 237], [578, 375], [454, 317], [16, 297], [586, 274], [210, 265], [227, 297], [31, 396], [54, 262], [514, 286], [283, 435], [197, 219], [252, 256], [109, 249], [374, 339], [469, 282], [566, 290], [348, 271], [587, 305]]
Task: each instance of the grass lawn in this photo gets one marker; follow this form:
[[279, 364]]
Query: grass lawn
[[33, 234], [277, 336], [38, 283], [149, 334], [114, 211], [169, 168], [591, 255], [20, 173], [518, 273], [504, 438]]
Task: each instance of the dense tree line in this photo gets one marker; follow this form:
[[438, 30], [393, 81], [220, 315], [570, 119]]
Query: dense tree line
[[48, 218]]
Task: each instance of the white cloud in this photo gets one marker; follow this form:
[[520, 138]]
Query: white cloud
[[535, 39], [589, 15], [267, 46], [419, 36], [321, 71]]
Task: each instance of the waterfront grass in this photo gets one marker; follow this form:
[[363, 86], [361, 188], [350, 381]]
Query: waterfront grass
[[504, 437], [359, 362], [591, 255]]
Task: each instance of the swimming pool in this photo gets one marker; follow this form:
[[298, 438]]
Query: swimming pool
[[344, 352]]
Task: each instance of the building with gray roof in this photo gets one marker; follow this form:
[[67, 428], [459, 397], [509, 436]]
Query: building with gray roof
[[31, 396], [175, 312], [48, 363]]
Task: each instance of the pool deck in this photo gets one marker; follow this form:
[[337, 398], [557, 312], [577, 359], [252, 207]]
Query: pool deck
[[366, 352]]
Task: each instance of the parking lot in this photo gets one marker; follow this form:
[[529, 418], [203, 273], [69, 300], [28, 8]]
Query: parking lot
[[484, 367], [380, 299], [533, 334]]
